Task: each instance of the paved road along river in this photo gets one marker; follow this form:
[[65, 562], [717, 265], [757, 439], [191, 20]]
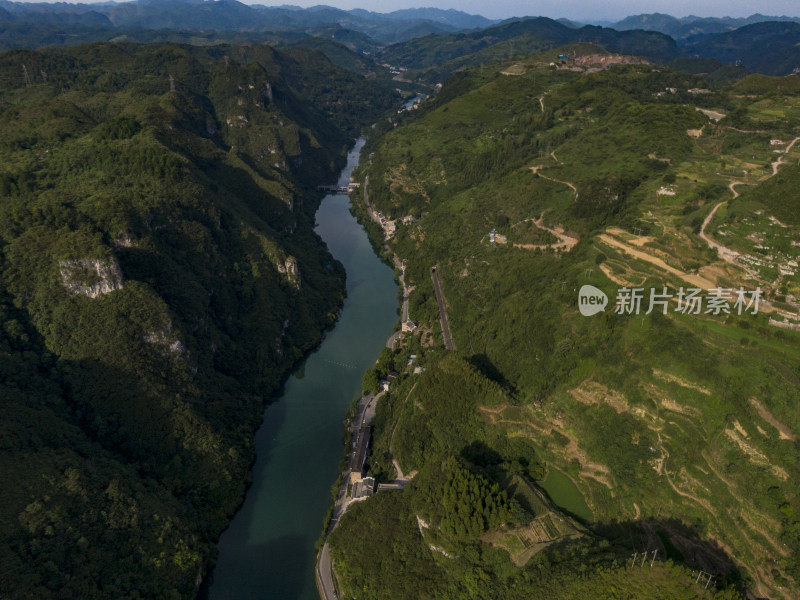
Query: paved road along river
[[268, 551]]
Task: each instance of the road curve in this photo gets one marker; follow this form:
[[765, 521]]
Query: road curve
[[725, 253], [776, 165], [393, 339], [327, 591], [535, 170]]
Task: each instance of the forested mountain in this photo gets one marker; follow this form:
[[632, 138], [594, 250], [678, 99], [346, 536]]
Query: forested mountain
[[768, 48], [158, 276], [29, 22], [757, 43], [450, 17], [691, 26], [546, 452], [440, 55], [533, 34], [763, 46], [343, 47], [439, 41]]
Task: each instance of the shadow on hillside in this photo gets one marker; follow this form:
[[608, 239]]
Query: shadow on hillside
[[483, 364], [673, 539], [659, 538]]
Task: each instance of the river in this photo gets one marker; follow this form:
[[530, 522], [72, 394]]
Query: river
[[268, 550]]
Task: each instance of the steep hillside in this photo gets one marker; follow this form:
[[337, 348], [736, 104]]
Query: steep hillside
[[769, 48], [662, 429], [158, 276], [521, 37]]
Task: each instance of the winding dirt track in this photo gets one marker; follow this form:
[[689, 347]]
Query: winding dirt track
[[400, 475], [725, 253], [565, 242], [779, 162], [536, 170], [695, 280]]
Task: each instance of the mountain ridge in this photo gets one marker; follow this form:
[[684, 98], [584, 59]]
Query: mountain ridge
[[160, 276]]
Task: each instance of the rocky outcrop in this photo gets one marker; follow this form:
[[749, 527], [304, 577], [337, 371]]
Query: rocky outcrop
[[124, 241], [91, 277], [289, 268], [165, 341]]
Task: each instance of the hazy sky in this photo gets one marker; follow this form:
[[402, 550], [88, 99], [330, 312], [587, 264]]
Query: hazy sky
[[572, 9]]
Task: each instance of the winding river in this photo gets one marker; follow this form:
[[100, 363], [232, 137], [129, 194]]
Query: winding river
[[268, 550]]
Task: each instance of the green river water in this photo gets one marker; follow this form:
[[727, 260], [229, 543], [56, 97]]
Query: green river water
[[268, 550]]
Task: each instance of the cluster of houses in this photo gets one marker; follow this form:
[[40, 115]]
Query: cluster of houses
[[497, 238], [394, 70], [363, 486], [673, 90], [417, 370], [388, 225], [413, 105]]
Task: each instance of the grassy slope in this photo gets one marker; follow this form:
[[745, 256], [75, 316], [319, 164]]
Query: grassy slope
[[656, 419]]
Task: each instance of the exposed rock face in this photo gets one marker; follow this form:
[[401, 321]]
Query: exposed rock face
[[162, 339], [289, 268], [124, 241], [91, 277]]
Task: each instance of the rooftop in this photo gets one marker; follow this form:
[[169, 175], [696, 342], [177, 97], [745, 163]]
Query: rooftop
[[363, 488], [359, 456]]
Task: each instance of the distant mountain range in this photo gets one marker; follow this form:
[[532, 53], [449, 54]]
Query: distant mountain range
[[442, 55], [691, 26], [759, 43], [231, 15], [420, 38], [769, 48]]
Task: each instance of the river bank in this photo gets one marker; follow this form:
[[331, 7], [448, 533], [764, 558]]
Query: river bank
[[268, 550]]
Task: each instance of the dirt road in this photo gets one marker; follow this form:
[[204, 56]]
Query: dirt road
[[437, 288], [695, 280]]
